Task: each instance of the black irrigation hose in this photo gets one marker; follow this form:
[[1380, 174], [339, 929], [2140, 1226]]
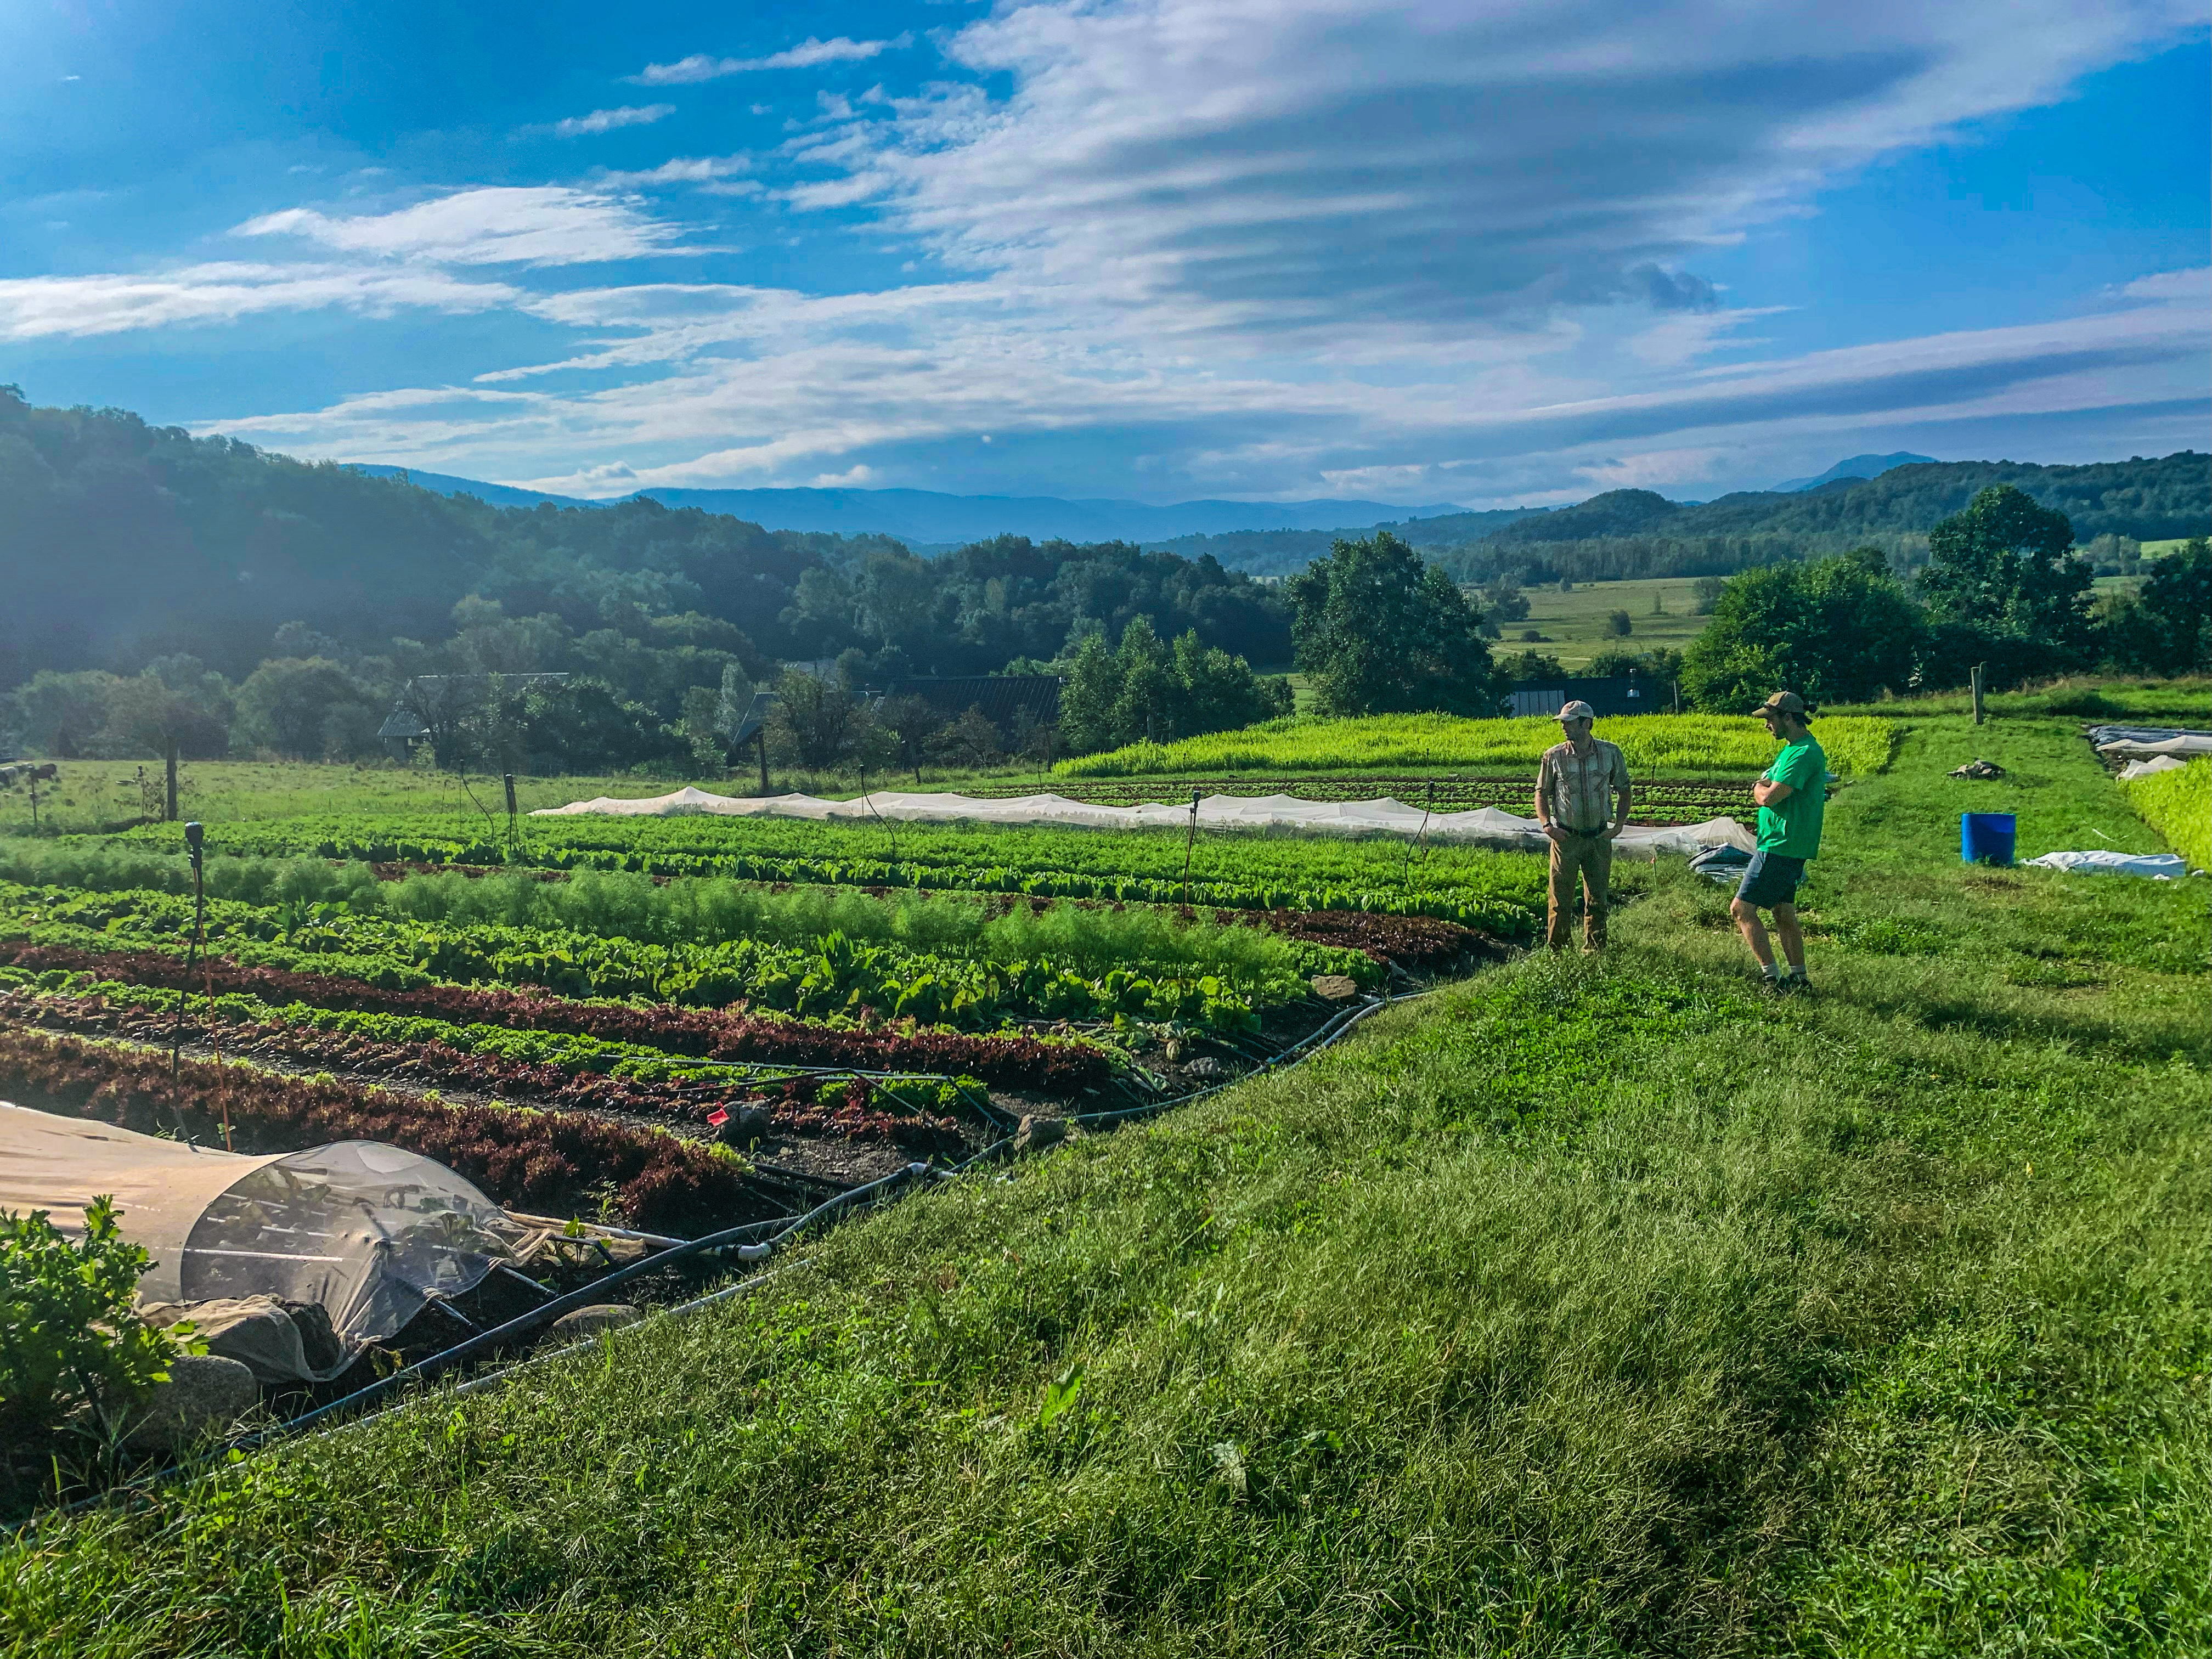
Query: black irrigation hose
[[1310, 1045]]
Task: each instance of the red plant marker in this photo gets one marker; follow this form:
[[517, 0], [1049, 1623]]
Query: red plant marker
[[718, 1117]]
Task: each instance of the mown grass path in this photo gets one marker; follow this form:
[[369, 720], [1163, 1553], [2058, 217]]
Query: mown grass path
[[1587, 1308]]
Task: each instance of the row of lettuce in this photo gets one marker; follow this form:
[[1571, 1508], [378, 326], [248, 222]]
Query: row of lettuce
[[543, 1030], [977, 973], [1242, 870]]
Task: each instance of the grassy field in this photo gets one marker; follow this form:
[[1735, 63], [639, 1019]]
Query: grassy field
[[1657, 745], [97, 795], [1593, 1307], [1661, 611], [2186, 702]]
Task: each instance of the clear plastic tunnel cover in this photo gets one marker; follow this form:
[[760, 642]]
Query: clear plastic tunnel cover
[[368, 1231]]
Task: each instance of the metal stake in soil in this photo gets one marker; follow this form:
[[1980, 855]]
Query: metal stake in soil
[[1189, 840]]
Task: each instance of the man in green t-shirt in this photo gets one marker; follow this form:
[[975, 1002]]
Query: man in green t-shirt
[[1792, 795]]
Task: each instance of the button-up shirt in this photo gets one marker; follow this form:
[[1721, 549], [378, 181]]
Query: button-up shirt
[[1577, 790]]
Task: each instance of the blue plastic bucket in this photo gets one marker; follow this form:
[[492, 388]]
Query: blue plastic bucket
[[1986, 837]]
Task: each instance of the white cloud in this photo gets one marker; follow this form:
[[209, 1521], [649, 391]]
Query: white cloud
[[1348, 173], [2173, 285], [763, 386], [536, 225], [809, 52], [80, 307], [694, 170], [606, 121], [1426, 251]]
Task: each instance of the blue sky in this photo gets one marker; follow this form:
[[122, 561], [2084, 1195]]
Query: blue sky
[[1516, 251]]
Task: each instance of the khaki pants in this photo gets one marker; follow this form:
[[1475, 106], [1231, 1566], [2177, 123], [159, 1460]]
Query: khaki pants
[[1590, 858]]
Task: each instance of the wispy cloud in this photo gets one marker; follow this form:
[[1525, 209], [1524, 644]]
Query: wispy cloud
[[770, 385], [1358, 176], [692, 170], [82, 307], [535, 225], [808, 53], [607, 120]]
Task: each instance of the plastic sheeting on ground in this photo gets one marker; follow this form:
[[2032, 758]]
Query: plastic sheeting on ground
[[2180, 745], [2101, 735], [2143, 769], [2160, 866], [370, 1232], [1485, 826]]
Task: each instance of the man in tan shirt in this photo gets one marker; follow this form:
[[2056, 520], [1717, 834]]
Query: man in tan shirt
[[1577, 784]]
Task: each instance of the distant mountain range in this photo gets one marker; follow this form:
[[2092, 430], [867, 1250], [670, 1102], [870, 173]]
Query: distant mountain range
[[930, 518], [1867, 495], [1859, 466]]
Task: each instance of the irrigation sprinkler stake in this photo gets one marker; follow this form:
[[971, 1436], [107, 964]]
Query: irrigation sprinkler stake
[[1189, 840], [508, 778]]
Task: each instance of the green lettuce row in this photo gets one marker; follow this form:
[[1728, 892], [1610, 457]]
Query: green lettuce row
[[1499, 892], [838, 978]]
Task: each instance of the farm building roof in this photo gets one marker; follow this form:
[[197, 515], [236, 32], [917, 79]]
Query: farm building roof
[[1630, 694]]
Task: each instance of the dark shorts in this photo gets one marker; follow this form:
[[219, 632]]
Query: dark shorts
[[1771, 879]]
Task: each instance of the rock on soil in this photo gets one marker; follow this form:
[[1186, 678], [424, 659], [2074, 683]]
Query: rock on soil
[[205, 1392]]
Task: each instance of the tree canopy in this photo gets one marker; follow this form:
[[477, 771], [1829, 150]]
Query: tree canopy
[[1379, 632], [2005, 565], [1839, 630]]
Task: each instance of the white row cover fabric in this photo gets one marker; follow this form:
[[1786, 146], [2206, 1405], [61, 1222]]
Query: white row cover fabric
[[2160, 866], [1485, 826], [370, 1232], [2183, 745], [2143, 769]]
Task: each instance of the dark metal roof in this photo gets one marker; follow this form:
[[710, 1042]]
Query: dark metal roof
[[1630, 694]]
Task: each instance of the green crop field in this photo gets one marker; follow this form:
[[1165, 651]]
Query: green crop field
[[1585, 1305], [2178, 805], [1661, 611], [1658, 746]]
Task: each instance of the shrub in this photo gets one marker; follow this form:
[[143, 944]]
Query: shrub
[[68, 1336]]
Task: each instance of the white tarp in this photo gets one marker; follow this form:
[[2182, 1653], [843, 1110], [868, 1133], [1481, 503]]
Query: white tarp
[[2143, 769], [2160, 867], [2183, 745], [1485, 826], [368, 1231]]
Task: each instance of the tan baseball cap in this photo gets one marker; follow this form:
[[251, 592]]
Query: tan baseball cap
[[1783, 702], [1577, 710]]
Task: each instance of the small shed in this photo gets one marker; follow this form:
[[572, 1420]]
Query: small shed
[[1629, 694]]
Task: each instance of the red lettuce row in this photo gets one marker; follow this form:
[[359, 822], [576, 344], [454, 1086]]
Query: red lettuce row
[[1023, 1063], [539, 1161], [843, 1109]]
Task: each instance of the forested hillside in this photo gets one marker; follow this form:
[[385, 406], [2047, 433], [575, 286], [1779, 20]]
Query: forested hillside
[[120, 542]]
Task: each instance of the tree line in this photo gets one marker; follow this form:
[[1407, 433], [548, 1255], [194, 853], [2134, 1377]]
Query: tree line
[[140, 561]]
